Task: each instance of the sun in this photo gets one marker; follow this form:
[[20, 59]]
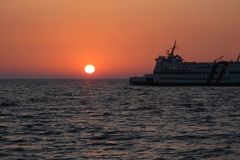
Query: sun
[[89, 69]]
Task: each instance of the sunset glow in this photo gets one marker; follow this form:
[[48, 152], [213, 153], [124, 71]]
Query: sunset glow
[[121, 37]]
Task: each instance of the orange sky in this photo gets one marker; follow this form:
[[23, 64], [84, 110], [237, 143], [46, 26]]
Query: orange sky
[[120, 37]]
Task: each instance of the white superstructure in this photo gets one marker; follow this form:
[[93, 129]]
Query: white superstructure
[[172, 70]]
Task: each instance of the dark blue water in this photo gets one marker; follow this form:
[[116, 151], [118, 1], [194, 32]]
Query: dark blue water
[[108, 119]]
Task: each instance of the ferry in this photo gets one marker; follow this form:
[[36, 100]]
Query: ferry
[[172, 70]]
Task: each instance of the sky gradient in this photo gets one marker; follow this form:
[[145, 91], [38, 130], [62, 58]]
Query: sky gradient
[[120, 37]]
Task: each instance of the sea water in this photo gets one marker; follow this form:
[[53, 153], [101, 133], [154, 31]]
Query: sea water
[[109, 119]]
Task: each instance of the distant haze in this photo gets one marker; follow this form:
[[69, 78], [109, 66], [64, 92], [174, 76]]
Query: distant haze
[[120, 37]]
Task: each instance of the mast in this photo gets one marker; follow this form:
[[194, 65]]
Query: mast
[[174, 47]]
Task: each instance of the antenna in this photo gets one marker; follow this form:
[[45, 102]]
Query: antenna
[[220, 58], [174, 47], [238, 58]]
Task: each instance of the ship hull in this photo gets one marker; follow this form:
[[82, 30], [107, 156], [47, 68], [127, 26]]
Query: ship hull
[[180, 84], [154, 80]]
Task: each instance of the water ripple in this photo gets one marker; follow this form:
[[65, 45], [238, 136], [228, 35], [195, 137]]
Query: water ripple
[[108, 119]]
